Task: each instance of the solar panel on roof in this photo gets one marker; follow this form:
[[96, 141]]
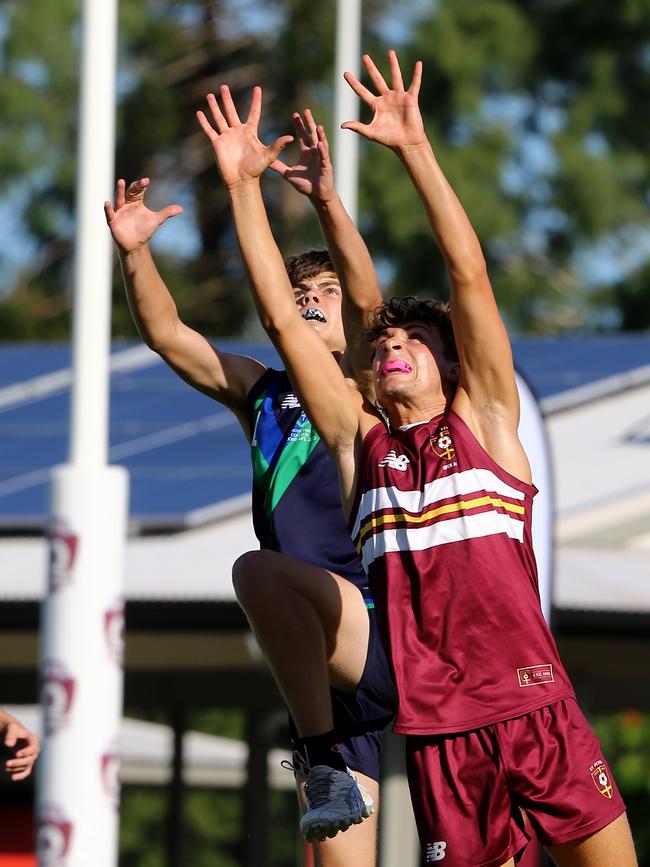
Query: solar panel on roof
[[183, 450]]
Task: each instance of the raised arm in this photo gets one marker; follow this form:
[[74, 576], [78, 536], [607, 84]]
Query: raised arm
[[224, 376], [241, 158], [313, 176], [487, 396]]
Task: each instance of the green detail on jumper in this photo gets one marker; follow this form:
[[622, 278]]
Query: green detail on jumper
[[278, 456]]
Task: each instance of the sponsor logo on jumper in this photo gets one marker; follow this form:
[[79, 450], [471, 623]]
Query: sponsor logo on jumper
[[290, 402], [534, 674], [64, 543], [442, 444], [602, 780], [53, 837], [301, 431], [114, 631], [57, 695], [436, 851], [394, 461]]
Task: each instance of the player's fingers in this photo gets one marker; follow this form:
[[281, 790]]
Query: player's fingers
[[13, 765], [229, 109], [119, 193], [136, 190], [26, 755], [279, 167], [311, 127], [109, 213], [355, 126], [169, 211], [395, 71], [20, 775], [416, 81], [301, 130], [255, 111], [375, 75], [323, 144], [219, 120], [273, 150], [31, 748], [205, 125], [361, 91]]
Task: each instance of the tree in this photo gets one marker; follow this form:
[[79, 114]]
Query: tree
[[171, 53], [533, 109]]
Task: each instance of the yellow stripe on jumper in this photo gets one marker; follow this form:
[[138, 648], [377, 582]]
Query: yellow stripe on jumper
[[434, 513]]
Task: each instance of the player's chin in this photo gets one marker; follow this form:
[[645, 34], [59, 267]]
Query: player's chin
[[320, 328], [393, 386]]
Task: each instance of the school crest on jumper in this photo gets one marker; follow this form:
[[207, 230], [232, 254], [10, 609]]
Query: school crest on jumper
[[442, 444], [602, 780]]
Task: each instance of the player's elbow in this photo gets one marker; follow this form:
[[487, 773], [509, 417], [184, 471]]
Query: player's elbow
[[278, 323], [471, 271], [161, 338]]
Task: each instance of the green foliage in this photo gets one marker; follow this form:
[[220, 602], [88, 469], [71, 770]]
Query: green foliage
[[143, 842], [211, 828], [535, 111], [625, 738], [212, 819], [532, 109]]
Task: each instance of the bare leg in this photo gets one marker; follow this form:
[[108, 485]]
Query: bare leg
[[313, 628], [610, 846], [358, 846]]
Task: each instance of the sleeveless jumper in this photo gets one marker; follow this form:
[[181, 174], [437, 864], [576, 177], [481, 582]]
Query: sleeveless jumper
[[296, 500], [445, 536]]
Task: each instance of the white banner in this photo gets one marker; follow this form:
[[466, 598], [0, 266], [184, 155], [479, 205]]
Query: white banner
[[532, 434]]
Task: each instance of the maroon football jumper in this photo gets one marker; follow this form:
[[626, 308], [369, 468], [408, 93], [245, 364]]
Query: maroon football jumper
[[445, 535]]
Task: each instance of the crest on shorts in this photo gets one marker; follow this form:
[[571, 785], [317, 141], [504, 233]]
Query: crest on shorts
[[602, 780], [442, 444]]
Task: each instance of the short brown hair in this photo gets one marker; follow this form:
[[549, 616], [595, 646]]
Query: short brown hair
[[302, 266], [396, 312]]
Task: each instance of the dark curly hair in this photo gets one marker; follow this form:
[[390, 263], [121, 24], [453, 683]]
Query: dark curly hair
[[396, 312], [302, 266]]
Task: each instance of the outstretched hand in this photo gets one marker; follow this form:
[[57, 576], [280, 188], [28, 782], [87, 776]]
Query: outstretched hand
[[132, 224], [397, 122], [241, 157], [313, 174], [24, 745]]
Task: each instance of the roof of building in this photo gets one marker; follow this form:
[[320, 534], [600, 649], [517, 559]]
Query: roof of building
[[189, 468], [184, 452]]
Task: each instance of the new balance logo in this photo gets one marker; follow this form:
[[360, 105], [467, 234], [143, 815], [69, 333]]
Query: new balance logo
[[394, 461], [290, 402], [436, 851]]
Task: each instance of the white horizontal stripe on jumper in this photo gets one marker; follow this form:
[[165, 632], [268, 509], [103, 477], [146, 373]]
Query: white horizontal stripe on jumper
[[440, 533], [455, 484]]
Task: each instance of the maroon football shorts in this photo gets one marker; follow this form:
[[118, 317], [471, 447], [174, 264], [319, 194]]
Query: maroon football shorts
[[468, 789]]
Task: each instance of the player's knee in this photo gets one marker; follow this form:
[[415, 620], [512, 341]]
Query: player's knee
[[250, 577]]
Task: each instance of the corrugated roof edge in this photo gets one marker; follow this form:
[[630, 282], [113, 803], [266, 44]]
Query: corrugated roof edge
[[167, 524], [594, 391], [143, 525]]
